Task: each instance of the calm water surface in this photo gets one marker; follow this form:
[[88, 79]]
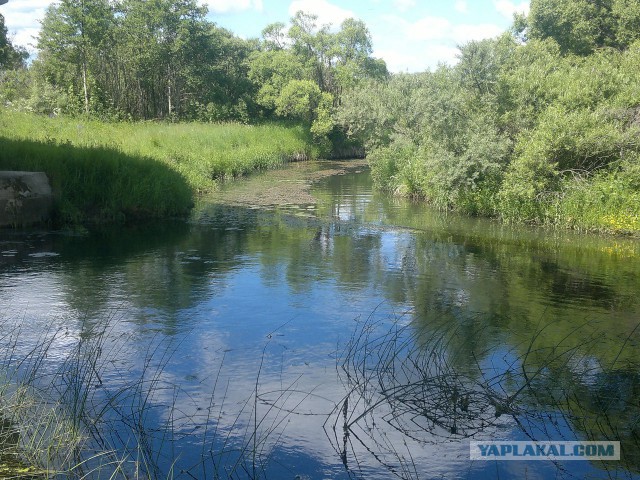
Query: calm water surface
[[362, 336]]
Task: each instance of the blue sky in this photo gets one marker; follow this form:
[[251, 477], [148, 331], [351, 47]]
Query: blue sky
[[410, 35]]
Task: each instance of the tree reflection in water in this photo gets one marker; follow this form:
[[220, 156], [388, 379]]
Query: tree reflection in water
[[409, 380]]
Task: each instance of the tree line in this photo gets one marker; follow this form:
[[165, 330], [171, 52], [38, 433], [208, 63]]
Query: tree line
[[163, 59], [538, 125]]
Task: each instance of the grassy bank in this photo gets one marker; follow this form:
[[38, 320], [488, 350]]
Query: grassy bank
[[115, 171], [606, 202]]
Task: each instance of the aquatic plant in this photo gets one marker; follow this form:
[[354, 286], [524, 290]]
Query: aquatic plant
[[67, 410], [411, 386]]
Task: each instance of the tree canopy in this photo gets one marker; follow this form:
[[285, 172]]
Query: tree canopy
[[582, 26], [10, 56], [163, 59]]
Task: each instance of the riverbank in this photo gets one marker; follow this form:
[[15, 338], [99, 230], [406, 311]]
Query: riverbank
[[607, 203], [105, 172]]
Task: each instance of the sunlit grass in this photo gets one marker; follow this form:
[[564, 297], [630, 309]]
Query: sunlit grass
[[110, 171], [608, 203]]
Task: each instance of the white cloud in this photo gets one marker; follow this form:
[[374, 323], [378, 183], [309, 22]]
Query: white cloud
[[441, 29], [461, 6], [22, 19], [27, 5], [466, 33], [404, 5], [418, 58], [326, 12], [227, 6], [507, 8], [429, 28], [26, 37], [415, 46], [18, 19]]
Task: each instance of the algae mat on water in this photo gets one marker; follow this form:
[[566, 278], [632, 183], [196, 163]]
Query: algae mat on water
[[281, 188]]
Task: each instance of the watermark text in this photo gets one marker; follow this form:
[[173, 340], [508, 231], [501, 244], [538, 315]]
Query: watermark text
[[545, 450]]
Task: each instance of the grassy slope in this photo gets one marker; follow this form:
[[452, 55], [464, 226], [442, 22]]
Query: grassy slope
[[106, 172]]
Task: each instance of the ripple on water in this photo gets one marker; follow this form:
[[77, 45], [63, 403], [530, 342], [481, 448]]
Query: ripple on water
[[44, 255], [276, 298]]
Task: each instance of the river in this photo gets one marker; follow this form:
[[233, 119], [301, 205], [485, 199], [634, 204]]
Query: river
[[351, 335]]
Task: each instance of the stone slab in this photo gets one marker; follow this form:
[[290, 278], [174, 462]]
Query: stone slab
[[26, 198]]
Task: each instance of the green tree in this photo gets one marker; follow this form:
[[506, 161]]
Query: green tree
[[144, 59], [305, 72], [271, 71], [579, 26], [311, 45], [222, 80], [337, 60], [72, 41], [299, 99], [274, 36], [164, 44], [10, 56], [480, 63], [303, 100], [627, 16], [14, 77], [352, 56]]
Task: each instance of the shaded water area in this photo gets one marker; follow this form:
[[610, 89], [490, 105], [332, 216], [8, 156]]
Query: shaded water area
[[348, 335]]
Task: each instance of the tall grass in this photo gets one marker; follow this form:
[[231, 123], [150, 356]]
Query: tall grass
[[110, 171], [609, 203]]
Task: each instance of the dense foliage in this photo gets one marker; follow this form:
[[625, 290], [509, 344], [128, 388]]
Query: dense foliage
[[10, 56], [163, 59], [540, 125]]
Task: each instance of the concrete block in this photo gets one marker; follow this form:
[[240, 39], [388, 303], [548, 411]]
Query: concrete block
[[25, 198]]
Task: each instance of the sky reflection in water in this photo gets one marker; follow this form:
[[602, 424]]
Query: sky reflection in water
[[267, 301]]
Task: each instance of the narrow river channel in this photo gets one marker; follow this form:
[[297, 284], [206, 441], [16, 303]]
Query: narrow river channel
[[350, 335]]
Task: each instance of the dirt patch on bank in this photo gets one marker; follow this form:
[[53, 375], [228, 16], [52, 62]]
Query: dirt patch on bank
[[290, 185]]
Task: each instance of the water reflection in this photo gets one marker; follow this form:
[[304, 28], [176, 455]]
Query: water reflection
[[258, 306]]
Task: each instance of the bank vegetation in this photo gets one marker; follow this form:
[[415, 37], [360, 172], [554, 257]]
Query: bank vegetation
[[539, 125]]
